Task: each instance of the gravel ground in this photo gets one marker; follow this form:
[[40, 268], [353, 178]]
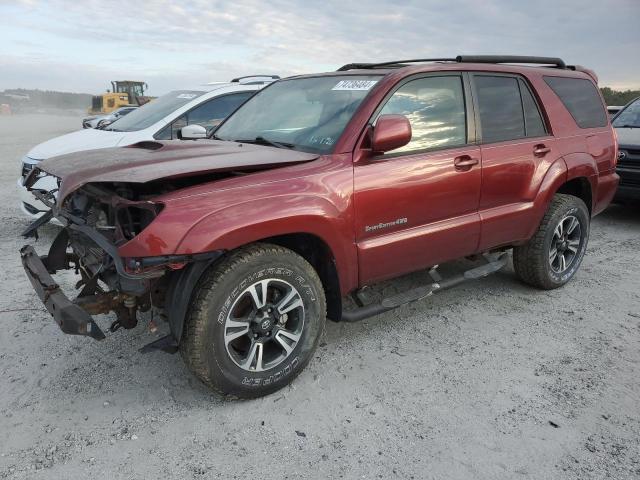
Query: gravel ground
[[491, 380]]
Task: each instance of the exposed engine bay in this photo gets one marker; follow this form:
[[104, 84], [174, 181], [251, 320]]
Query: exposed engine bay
[[100, 218], [105, 199]]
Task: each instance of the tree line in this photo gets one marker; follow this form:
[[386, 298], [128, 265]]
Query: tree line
[[618, 97]]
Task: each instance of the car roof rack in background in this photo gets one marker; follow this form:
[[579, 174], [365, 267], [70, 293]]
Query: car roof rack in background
[[546, 61], [242, 79]]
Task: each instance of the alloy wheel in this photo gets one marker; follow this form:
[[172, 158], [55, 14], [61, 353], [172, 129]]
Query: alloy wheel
[[264, 325], [565, 244]]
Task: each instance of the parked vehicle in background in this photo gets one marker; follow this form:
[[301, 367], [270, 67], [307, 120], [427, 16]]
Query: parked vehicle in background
[[201, 108], [318, 186], [95, 121], [627, 125]]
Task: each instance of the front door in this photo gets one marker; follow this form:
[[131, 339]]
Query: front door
[[418, 205]]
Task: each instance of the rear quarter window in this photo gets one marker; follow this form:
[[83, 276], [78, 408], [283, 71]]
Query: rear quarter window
[[581, 99]]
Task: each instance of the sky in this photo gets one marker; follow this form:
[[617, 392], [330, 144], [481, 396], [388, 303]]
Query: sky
[[81, 45]]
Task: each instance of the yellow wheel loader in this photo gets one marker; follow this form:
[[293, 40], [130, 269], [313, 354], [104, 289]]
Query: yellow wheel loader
[[123, 93]]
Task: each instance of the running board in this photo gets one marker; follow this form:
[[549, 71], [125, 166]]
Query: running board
[[495, 262]]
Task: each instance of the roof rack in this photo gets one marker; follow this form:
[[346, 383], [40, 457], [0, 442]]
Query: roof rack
[[239, 79], [548, 61], [395, 63], [554, 61]]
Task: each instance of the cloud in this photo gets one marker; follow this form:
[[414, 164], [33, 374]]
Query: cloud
[[166, 43]]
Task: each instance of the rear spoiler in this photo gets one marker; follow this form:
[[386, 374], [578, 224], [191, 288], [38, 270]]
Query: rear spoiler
[[588, 71]]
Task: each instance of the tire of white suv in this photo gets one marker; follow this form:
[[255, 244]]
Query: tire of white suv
[[554, 254], [256, 320]]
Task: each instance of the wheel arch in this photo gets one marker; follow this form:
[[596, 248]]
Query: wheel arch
[[318, 253], [571, 178], [581, 188]]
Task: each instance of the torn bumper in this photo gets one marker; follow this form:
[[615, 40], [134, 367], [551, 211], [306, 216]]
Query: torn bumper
[[71, 318]]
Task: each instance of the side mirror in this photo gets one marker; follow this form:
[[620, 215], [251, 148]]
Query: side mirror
[[192, 132], [390, 132]]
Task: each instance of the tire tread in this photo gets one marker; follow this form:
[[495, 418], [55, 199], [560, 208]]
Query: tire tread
[[192, 343], [528, 259]]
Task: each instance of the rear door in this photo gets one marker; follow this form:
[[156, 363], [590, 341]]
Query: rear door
[[516, 152], [418, 205]]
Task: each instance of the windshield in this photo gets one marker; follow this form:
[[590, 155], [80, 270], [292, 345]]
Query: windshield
[[629, 117], [307, 114], [153, 111]]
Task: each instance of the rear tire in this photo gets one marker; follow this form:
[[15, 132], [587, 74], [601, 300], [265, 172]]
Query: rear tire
[[554, 254], [255, 322]]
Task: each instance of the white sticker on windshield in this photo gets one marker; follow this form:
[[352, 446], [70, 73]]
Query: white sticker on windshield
[[354, 84], [188, 96]]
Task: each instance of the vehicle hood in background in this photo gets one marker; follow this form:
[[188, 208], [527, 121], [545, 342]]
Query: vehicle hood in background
[[148, 161], [86, 139], [628, 137]]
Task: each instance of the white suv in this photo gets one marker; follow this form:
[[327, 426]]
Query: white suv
[[200, 109]]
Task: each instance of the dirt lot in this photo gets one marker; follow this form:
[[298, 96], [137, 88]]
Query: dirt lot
[[491, 380]]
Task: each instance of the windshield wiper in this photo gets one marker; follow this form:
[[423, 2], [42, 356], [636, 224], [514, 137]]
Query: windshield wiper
[[264, 141], [626, 126]]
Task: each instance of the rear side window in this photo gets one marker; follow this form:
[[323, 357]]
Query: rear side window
[[501, 112], [581, 98], [435, 108], [508, 110], [533, 124]]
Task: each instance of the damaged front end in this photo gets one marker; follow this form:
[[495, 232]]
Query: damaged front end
[[99, 218]]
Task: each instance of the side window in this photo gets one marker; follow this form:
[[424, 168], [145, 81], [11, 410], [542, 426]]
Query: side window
[[164, 134], [177, 125], [210, 114], [533, 124], [501, 113], [435, 108], [581, 98]]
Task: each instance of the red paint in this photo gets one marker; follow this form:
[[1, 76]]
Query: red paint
[[391, 132], [434, 206]]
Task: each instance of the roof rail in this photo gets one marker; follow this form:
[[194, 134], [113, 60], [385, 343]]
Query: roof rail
[[239, 79], [395, 63], [551, 61], [558, 62]]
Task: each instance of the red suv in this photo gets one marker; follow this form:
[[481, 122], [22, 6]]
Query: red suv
[[322, 184]]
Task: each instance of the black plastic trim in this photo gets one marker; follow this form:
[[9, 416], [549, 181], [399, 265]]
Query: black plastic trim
[[181, 289]]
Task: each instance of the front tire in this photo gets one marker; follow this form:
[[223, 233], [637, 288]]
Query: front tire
[[554, 254], [255, 322]]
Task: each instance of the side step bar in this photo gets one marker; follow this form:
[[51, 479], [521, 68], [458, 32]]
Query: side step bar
[[495, 262]]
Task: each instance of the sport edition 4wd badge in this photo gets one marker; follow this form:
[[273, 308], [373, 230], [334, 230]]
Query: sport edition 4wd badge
[[380, 226]]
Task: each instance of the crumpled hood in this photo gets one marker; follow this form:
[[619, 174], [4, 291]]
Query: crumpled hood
[[75, 142], [147, 161], [628, 137]]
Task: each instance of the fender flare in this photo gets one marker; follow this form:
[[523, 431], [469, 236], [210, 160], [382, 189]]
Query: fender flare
[[555, 177]]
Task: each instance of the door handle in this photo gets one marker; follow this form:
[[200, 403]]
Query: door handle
[[541, 150], [465, 162]]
